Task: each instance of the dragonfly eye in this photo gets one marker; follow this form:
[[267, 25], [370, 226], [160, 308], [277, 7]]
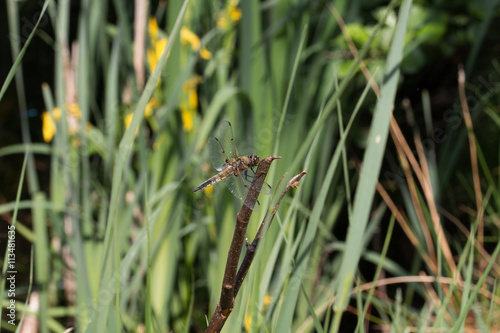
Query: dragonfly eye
[[255, 158]]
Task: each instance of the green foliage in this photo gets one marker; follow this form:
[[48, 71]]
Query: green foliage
[[121, 243]]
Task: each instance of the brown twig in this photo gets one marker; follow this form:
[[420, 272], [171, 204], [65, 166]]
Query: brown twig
[[226, 301], [473, 153], [407, 159], [140, 23], [252, 248]]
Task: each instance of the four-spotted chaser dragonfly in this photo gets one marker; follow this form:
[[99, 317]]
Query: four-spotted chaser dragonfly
[[235, 171]]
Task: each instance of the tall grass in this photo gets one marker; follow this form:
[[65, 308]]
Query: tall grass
[[120, 242]]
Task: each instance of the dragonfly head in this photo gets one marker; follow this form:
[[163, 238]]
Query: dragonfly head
[[254, 159]]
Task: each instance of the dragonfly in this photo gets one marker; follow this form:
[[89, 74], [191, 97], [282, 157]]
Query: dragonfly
[[235, 171]]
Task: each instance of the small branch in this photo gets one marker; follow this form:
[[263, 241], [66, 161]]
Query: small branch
[[252, 248], [473, 153], [226, 301]]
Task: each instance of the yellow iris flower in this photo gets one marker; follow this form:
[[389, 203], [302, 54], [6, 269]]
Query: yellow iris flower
[[49, 121], [229, 16]]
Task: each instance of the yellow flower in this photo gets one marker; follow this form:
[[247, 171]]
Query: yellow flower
[[205, 54], [189, 37], [152, 104], [229, 16], [148, 112], [222, 22], [153, 28], [153, 54], [248, 318], [192, 99], [248, 322], [234, 13], [74, 110], [128, 119], [187, 116], [48, 125], [189, 102], [190, 88], [192, 82], [72, 117], [267, 300], [158, 44]]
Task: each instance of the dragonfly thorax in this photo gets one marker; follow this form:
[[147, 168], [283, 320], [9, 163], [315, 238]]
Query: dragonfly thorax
[[248, 161]]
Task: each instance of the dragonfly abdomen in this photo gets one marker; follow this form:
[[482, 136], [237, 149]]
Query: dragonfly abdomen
[[214, 180]]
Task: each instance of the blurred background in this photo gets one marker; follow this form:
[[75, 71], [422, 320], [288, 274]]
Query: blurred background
[[103, 130]]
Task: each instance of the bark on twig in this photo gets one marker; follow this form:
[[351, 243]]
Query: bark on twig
[[232, 281], [252, 248]]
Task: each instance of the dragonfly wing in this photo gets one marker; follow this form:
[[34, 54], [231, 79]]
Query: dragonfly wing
[[222, 151], [266, 188], [227, 140], [239, 188], [217, 154]]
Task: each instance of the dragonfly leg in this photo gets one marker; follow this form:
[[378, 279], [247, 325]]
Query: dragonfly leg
[[247, 176]]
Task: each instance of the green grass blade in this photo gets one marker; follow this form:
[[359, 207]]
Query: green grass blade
[[371, 163], [10, 233], [42, 258], [20, 56], [122, 157]]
